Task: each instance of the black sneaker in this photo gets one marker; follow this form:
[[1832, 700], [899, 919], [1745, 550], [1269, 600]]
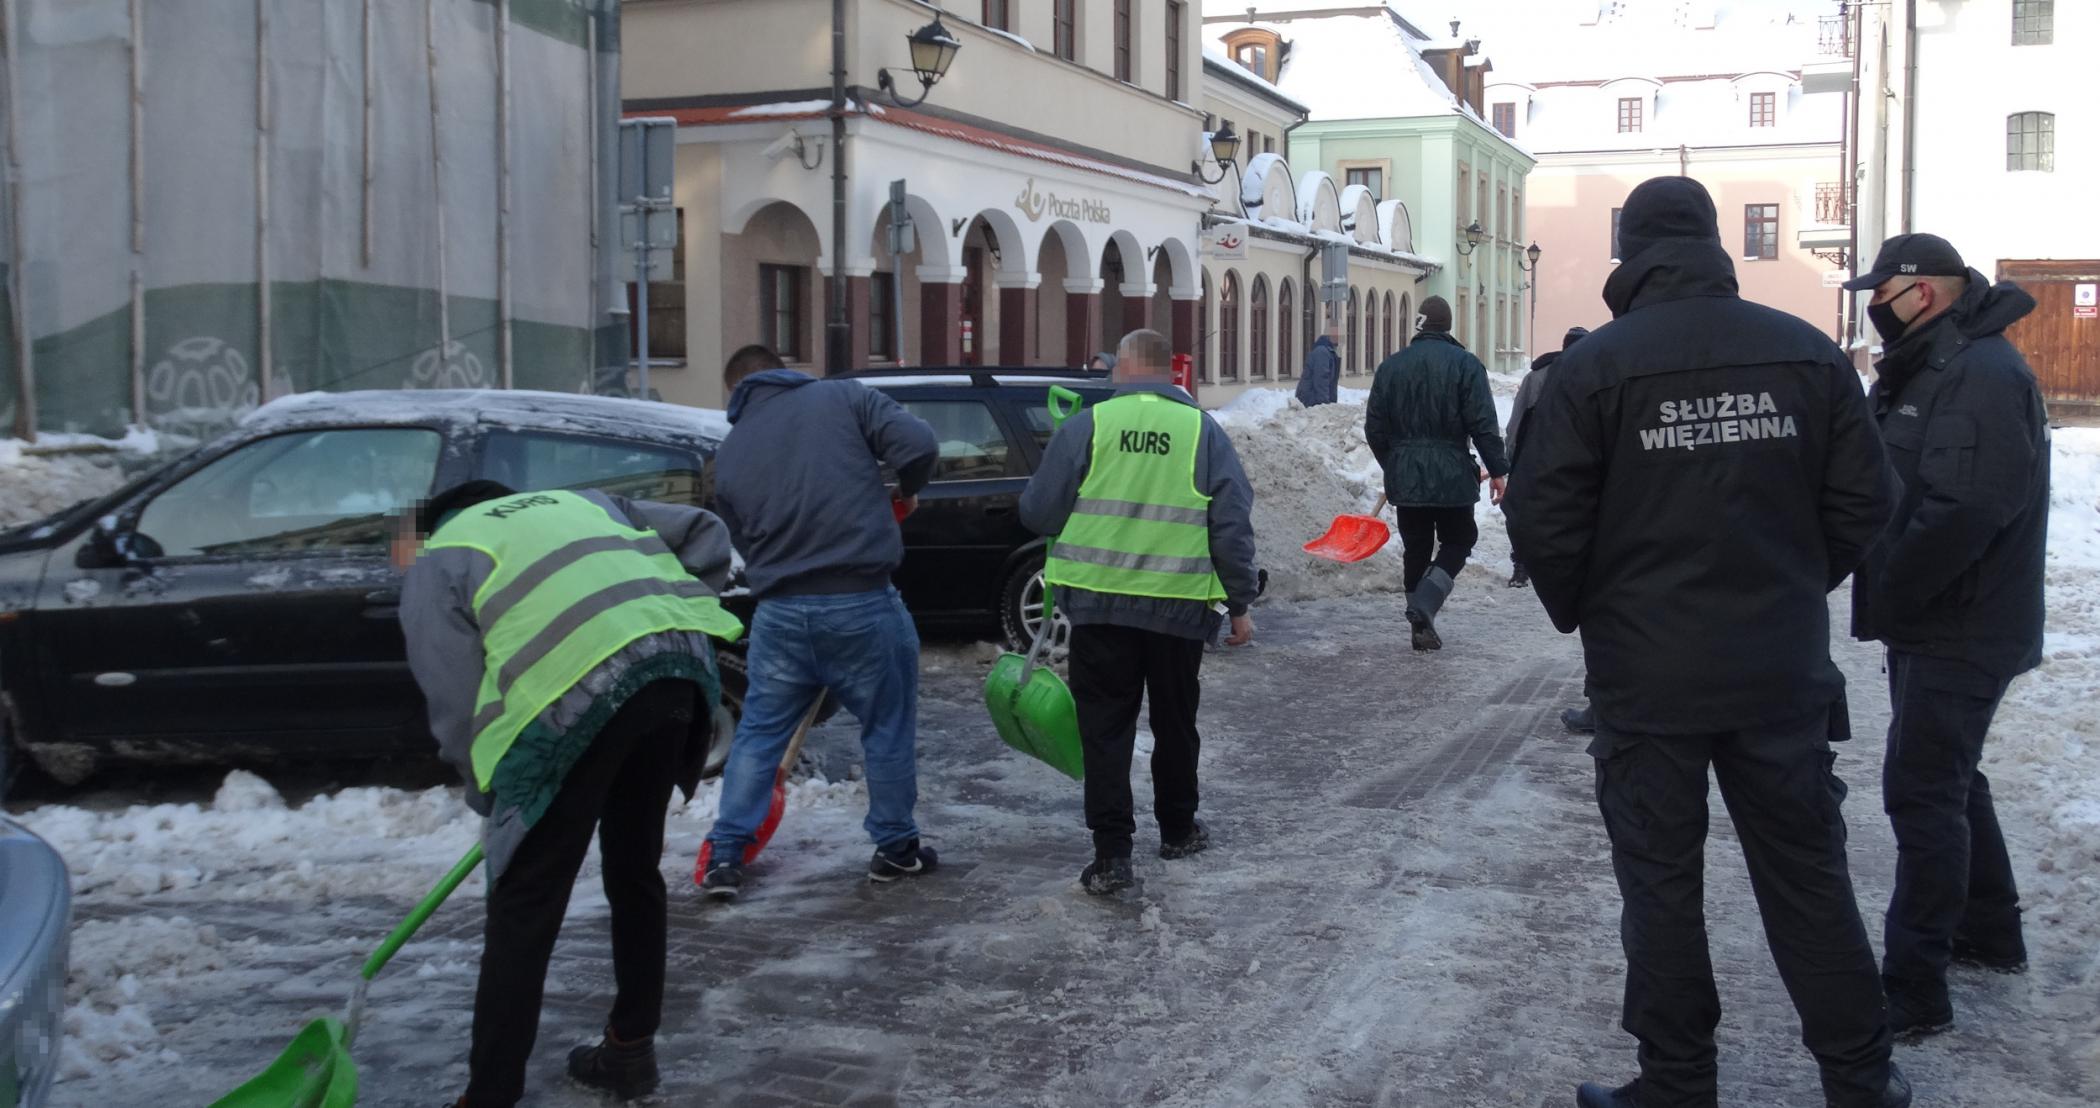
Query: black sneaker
[[1103, 876], [905, 859], [626, 1070], [1997, 957], [1581, 721], [1589, 1094], [1195, 842], [1425, 636], [723, 880], [1917, 1009]]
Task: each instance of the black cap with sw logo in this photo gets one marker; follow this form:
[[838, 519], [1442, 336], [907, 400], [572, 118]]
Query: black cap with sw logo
[[1918, 255]]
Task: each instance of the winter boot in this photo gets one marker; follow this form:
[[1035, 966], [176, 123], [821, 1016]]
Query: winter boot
[[1917, 1008], [1103, 876], [1422, 606], [626, 1070], [1195, 842], [1581, 721], [1996, 953], [724, 878], [1519, 577], [1592, 1095], [905, 859], [1897, 1093]]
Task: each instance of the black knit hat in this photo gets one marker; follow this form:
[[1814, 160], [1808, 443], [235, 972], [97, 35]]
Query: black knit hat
[[1666, 208], [1436, 314], [1574, 335], [458, 498]]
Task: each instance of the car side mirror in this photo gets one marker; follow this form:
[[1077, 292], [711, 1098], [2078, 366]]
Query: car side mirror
[[110, 544]]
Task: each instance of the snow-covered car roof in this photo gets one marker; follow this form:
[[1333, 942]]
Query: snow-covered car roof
[[516, 408]]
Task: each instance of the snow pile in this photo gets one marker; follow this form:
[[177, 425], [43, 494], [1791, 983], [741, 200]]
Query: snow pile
[[115, 967], [2044, 752], [1307, 466], [34, 485]]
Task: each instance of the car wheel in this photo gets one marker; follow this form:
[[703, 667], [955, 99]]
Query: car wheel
[[1021, 610]]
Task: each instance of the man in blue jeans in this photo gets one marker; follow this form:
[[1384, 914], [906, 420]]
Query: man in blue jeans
[[799, 482]]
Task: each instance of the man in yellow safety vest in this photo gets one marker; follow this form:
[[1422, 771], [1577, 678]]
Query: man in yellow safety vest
[[1150, 512], [561, 640]]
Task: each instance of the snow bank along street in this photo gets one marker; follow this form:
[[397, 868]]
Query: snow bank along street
[[1411, 902]]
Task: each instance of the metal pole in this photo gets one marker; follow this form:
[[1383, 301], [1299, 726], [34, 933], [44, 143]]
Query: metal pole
[[897, 313], [503, 305], [838, 332], [365, 232], [643, 208], [17, 287], [264, 362], [138, 212], [437, 181]]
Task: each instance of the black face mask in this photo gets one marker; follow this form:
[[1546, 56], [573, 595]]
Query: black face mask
[[1885, 319]]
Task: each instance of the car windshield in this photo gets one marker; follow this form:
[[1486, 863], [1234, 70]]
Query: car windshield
[[74, 514]]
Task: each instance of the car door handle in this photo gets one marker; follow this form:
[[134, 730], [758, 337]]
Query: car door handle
[[383, 604], [384, 596]]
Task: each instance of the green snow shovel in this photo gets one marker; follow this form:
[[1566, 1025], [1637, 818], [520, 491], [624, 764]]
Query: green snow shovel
[[316, 1070], [1030, 706]]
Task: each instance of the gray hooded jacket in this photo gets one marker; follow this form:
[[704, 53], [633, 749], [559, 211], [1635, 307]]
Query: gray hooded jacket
[[446, 655], [1047, 503]]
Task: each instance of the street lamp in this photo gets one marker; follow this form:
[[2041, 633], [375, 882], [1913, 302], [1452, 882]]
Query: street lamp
[[1474, 237], [1533, 253], [932, 50], [1224, 146]]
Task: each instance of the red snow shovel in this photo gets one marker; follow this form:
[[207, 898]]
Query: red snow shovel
[[778, 807], [1352, 538]]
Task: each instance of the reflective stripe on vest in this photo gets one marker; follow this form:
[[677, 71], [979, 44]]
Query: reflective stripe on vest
[[1140, 527], [570, 587]]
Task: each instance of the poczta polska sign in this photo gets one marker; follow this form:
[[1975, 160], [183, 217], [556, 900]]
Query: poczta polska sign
[[1036, 204]]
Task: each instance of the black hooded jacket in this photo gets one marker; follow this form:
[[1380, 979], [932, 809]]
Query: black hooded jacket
[[1701, 473], [1959, 572]]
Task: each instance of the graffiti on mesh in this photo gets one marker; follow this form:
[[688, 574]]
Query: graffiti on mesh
[[202, 385], [460, 369]]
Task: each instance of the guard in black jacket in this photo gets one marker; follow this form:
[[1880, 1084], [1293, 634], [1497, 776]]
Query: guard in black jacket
[[1701, 473], [1955, 590]]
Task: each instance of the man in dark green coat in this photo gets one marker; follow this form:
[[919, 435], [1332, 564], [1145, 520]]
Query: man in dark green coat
[[1427, 402]]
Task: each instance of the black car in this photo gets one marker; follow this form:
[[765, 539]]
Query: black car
[[968, 561], [238, 603]]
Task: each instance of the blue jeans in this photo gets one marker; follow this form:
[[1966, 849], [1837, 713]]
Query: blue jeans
[[861, 646]]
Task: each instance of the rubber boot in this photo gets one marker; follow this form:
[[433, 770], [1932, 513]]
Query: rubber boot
[[1423, 605]]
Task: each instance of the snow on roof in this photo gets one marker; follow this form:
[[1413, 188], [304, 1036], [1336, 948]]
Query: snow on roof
[[501, 407], [1569, 42], [1215, 61], [1349, 66]]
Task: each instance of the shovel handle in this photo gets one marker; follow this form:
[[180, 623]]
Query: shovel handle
[[794, 748], [1380, 509], [422, 912], [1063, 404]]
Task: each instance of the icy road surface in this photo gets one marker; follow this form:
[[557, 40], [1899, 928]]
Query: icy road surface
[[1409, 904]]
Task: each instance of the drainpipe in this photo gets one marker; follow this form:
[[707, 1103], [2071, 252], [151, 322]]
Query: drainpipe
[[1910, 105], [1684, 160], [1848, 154], [1306, 290], [838, 333]]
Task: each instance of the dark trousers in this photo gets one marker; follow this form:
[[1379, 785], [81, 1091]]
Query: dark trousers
[[621, 786], [1112, 669], [1952, 871], [1451, 532], [1784, 799]]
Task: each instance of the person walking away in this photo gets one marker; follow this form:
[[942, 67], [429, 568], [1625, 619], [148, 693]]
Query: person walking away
[[1954, 591], [1320, 383], [560, 640], [1150, 510], [1700, 474], [1527, 398], [1426, 402], [799, 481]]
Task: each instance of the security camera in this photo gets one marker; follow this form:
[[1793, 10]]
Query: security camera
[[789, 143]]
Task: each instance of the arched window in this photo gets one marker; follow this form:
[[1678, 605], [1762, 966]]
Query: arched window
[[2030, 142], [1258, 330], [1349, 362], [1229, 327], [1286, 329], [1392, 322], [1371, 347], [1407, 320], [1203, 371]]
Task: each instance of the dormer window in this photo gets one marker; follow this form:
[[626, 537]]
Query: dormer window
[[1258, 52]]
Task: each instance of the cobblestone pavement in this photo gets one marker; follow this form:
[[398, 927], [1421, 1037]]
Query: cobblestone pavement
[[1409, 904]]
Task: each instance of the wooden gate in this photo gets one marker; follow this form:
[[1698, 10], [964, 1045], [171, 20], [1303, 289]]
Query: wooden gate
[[2061, 339]]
